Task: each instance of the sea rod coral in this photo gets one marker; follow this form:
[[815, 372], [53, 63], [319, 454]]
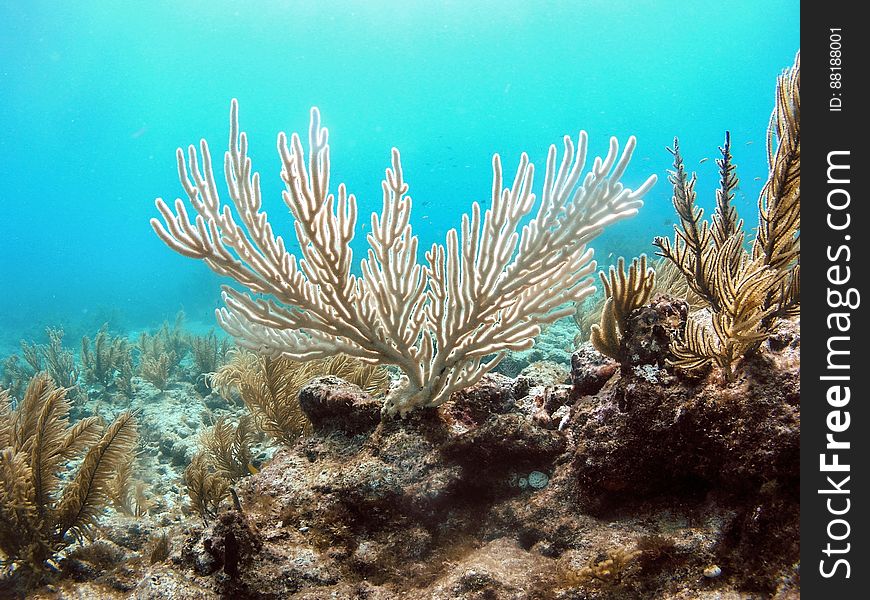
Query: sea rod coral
[[747, 292], [488, 290]]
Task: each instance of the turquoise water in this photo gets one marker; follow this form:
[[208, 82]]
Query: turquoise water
[[97, 96]]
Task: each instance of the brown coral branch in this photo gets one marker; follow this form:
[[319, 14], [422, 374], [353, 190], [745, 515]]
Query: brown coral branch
[[623, 296]]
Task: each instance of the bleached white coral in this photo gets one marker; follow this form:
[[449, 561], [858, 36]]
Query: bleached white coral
[[488, 290]]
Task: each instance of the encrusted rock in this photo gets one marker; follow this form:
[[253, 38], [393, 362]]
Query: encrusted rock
[[227, 545], [542, 373], [590, 370], [650, 330], [331, 403], [506, 440], [641, 437], [473, 405], [542, 403], [499, 493]]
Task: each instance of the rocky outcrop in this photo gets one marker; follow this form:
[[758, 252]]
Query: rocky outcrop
[[631, 482]]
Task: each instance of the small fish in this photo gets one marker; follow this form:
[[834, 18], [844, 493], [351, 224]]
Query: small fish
[[757, 178], [703, 160], [749, 143]]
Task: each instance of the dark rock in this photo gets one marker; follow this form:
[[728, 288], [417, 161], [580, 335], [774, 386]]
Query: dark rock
[[202, 384], [228, 544], [650, 330], [80, 570], [331, 403], [765, 530], [590, 370], [506, 442], [641, 437], [407, 477], [213, 401], [470, 407]]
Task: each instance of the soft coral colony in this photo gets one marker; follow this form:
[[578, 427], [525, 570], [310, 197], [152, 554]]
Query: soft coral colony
[[746, 293], [488, 290]]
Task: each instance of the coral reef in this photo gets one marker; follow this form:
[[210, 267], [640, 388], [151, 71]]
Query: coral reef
[[649, 489], [621, 483], [488, 291], [628, 474]]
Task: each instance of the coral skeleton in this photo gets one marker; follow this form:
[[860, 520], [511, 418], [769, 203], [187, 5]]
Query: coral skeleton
[[445, 323]]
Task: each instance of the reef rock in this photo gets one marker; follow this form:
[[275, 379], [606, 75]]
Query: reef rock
[[650, 330], [629, 484], [331, 403], [590, 370], [646, 434]]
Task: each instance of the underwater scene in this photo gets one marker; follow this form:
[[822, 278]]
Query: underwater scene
[[425, 300]]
